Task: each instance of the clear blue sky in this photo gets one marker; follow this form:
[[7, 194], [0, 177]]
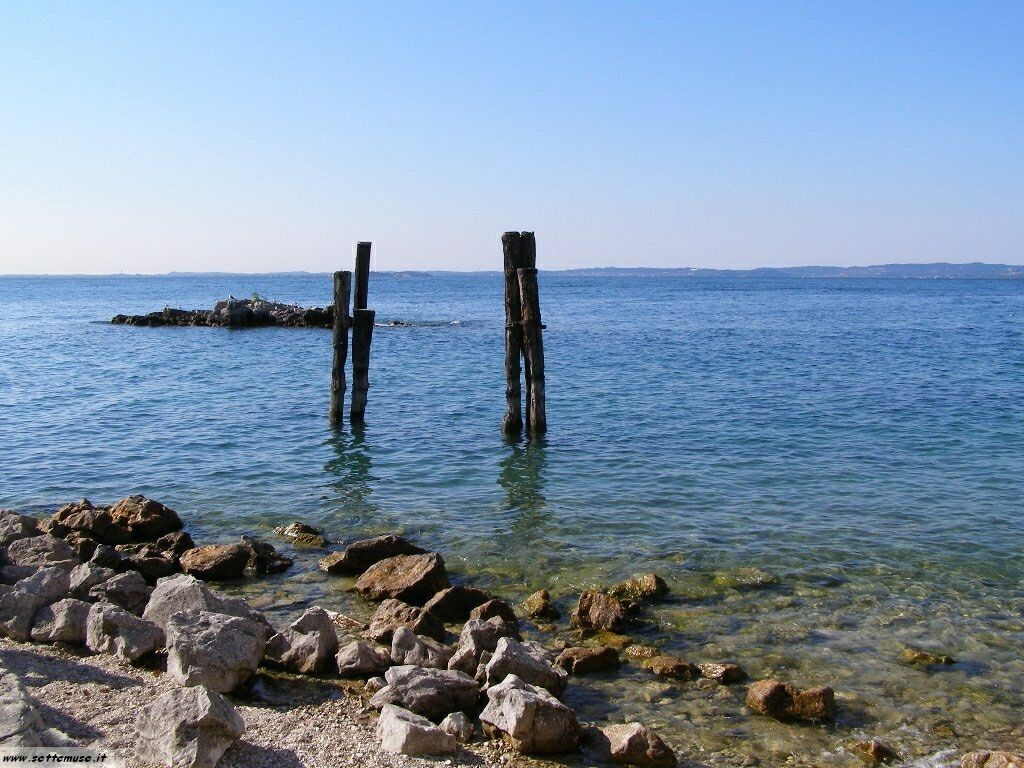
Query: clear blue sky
[[147, 137]]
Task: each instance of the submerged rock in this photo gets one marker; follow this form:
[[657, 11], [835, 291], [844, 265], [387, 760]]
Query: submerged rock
[[723, 673], [630, 744], [987, 759], [187, 728], [583, 660], [783, 701], [403, 732], [360, 555], [540, 606], [745, 578], [644, 588], [413, 579], [302, 535], [918, 657], [672, 667], [530, 718], [597, 610], [875, 752]]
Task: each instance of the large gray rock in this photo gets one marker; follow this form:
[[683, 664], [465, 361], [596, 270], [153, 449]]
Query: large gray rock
[[40, 552], [477, 637], [303, 652], [213, 649], [187, 593], [413, 579], [432, 693], [21, 722], [392, 614], [62, 622], [187, 728], [512, 657], [49, 584], [409, 648], [403, 732], [14, 526], [128, 590], [359, 659], [531, 719], [17, 609], [360, 555], [110, 629], [316, 619], [86, 576]]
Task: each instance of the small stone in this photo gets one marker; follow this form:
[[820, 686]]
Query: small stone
[[409, 648], [539, 606], [636, 744], [128, 590], [918, 657], [413, 579], [875, 752], [360, 555], [581, 660], [458, 725], [672, 667], [597, 610], [374, 684], [455, 603], [403, 732], [641, 651], [62, 622], [187, 728], [723, 673]]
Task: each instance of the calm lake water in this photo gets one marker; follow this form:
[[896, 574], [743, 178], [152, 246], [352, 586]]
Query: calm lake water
[[824, 471]]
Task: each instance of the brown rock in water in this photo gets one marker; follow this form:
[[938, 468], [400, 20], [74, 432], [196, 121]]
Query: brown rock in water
[[301, 535], [145, 519], [392, 614], [539, 606], [175, 544], [455, 603], [360, 555], [411, 578], [672, 667], [723, 673], [631, 744], [597, 610], [495, 608], [263, 558], [644, 588], [216, 562], [874, 752], [918, 657], [580, 660], [96, 522], [641, 651], [987, 759], [787, 702]]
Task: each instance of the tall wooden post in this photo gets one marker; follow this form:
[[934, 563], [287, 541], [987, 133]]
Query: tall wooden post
[[362, 274], [339, 342], [511, 249], [362, 334], [533, 352]]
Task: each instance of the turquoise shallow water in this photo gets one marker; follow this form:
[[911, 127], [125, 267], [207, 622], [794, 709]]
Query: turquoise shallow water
[[861, 440]]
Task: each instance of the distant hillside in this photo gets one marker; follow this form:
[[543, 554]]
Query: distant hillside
[[939, 271]]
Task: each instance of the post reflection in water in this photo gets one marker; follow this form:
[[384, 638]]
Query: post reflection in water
[[349, 474], [522, 477]]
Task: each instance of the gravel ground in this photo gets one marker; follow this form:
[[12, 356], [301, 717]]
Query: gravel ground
[[291, 723]]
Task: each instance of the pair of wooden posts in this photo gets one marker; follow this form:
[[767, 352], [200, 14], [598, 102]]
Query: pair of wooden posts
[[361, 323], [523, 335]]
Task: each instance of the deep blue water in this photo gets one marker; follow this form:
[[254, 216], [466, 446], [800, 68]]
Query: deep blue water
[[859, 432]]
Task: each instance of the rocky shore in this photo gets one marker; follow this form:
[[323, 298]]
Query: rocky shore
[[237, 313], [113, 637]]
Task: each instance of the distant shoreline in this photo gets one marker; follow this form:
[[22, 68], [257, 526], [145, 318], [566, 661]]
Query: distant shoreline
[[934, 271]]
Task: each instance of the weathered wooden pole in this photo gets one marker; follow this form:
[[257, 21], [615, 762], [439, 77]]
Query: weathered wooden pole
[[511, 249], [533, 351], [339, 341], [362, 334], [362, 274]]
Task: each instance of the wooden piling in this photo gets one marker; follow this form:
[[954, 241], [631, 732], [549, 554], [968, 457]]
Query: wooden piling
[[339, 342], [362, 334], [362, 274], [533, 351], [511, 248]]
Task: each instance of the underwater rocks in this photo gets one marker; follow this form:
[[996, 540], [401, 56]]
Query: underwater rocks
[[918, 657], [581, 660], [540, 606], [231, 562], [597, 610], [783, 701], [986, 759], [644, 588], [302, 535]]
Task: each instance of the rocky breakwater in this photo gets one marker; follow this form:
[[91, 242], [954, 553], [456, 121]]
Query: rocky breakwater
[[236, 313]]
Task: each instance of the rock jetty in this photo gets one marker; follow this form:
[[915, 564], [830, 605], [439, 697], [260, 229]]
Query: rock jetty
[[237, 313]]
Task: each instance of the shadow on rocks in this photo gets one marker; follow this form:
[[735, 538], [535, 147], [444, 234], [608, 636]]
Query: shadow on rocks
[[242, 754], [35, 670]]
